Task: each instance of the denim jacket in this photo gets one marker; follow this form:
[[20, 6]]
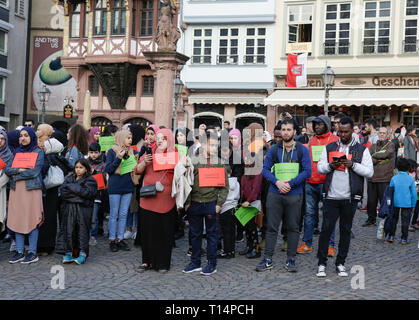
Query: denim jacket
[[32, 177]]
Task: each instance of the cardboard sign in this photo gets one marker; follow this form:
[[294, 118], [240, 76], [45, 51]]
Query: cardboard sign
[[100, 181], [106, 143], [134, 148], [2, 164], [25, 160], [286, 171], [211, 177], [183, 150], [165, 161], [128, 165], [316, 152], [338, 154], [245, 214]]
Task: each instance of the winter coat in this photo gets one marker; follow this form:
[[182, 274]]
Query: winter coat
[[409, 148], [4, 179], [77, 197], [382, 154]]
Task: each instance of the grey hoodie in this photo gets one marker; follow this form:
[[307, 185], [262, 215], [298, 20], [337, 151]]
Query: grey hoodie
[[326, 121], [233, 196]]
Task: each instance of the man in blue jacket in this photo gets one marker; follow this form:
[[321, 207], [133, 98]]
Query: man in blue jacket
[[287, 166]]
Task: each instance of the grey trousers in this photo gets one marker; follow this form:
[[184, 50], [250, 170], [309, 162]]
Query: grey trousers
[[276, 206]]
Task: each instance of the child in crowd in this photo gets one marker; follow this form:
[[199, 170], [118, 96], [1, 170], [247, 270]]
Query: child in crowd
[[204, 203], [97, 164], [414, 173], [227, 219], [78, 193], [405, 197], [251, 188]]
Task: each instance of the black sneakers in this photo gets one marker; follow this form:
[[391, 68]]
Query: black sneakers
[[113, 246], [122, 245]]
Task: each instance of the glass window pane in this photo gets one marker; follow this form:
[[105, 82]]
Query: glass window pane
[[369, 25], [385, 4], [197, 43], [250, 42], [370, 5], [411, 23], [344, 26], [261, 42], [234, 32], [261, 31], [197, 32], [251, 31], [330, 27], [384, 24], [223, 32], [345, 7], [233, 42], [331, 16], [384, 13], [332, 7], [345, 15], [330, 35], [370, 14], [208, 32], [207, 43]]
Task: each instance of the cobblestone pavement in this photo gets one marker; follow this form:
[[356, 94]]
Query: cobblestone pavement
[[391, 272]]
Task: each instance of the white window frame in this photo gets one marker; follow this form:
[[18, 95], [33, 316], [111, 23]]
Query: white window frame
[[203, 37], [73, 14], [6, 38], [299, 21], [20, 6], [256, 37], [3, 90], [377, 19], [7, 5], [406, 18], [337, 22], [229, 56]]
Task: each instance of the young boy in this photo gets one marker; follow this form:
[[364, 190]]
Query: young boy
[[209, 192], [227, 217], [98, 167], [404, 199]]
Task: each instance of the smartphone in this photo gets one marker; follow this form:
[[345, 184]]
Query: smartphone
[[343, 157], [336, 159], [148, 150]]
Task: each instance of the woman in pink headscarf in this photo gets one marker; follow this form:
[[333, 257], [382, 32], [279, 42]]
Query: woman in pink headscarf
[[94, 135], [235, 138]]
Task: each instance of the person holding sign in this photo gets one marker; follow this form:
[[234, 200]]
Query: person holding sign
[[314, 184], [343, 189], [25, 217], [120, 163], [158, 212], [209, 192], [291, 165]]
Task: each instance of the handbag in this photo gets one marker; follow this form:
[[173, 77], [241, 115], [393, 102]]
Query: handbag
[[54, 178], [151, 191]]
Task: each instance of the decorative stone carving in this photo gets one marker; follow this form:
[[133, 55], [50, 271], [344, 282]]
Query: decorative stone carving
[[167, 33]]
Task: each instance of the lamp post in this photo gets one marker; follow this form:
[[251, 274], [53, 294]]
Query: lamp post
[[328, 81], [178, 86], [43, 95]]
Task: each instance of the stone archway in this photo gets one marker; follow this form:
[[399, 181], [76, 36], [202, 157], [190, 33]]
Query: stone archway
[[242, 120], [207, 117]]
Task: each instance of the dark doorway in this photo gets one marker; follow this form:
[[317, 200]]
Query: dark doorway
[[61, 125], [208, 121], [242, 123]]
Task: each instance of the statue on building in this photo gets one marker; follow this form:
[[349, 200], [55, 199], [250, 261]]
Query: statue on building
[[167, 33]]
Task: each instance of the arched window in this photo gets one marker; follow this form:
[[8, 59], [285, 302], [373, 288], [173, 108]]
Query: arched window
[[140, 121], [100, 17], [118, 17], [101, 122]]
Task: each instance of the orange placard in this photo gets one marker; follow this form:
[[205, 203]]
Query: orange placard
[[100, 181], [165, 161], [134, 148], [25, 160], [338, 154], [211, 177], [2, 164]]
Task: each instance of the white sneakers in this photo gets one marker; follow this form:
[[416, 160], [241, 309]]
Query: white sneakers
[[340, 269], [128, 234], [321, 271]]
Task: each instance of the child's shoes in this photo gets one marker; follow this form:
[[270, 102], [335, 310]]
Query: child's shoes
[[68, 258]]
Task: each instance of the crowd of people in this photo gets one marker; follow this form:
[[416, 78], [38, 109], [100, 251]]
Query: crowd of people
[[221, 184]]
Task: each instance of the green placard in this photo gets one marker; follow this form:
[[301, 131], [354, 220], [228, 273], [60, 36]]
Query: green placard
[[316, 152], [244, 214], [106, 143], [286, 171], [183, 150], [128, 165]]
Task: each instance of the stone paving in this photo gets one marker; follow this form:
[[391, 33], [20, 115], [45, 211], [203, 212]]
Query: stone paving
[[391, 272]]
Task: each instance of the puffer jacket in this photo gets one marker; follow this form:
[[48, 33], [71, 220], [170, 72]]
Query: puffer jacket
[[77, 198], [320, 140]]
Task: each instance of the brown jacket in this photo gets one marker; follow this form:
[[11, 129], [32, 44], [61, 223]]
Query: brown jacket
[[382, 154]]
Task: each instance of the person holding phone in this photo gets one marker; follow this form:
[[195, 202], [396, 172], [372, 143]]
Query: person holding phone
[[345, 163]]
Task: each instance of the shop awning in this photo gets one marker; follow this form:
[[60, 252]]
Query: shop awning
[[226, 99], [345, 97]]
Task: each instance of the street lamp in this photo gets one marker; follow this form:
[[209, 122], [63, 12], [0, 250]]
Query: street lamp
[[178, 86], [43, 95], [328, 81]]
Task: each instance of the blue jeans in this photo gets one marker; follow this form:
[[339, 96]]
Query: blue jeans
[[313, 197], [95, 220], [119, 207], [198, 213], [132, 219], [33, 241]]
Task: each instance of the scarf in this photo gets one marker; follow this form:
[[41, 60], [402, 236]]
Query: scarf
[[43, 133], [5, 153], [155, 128], [13, 138], [32, 145], [120, 137], [237, 133], [186, 132], [92, 133]]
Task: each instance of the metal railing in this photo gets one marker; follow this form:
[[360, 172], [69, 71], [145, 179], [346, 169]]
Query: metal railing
[[254, 59], [201, 59], [228, 59], [376, 48], [410, 46], [336, 48]]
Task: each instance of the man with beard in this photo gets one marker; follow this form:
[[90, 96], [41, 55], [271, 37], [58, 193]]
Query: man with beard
[[287, 166], [314, 184], [382, 154], [370, 126], [345, 163]]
